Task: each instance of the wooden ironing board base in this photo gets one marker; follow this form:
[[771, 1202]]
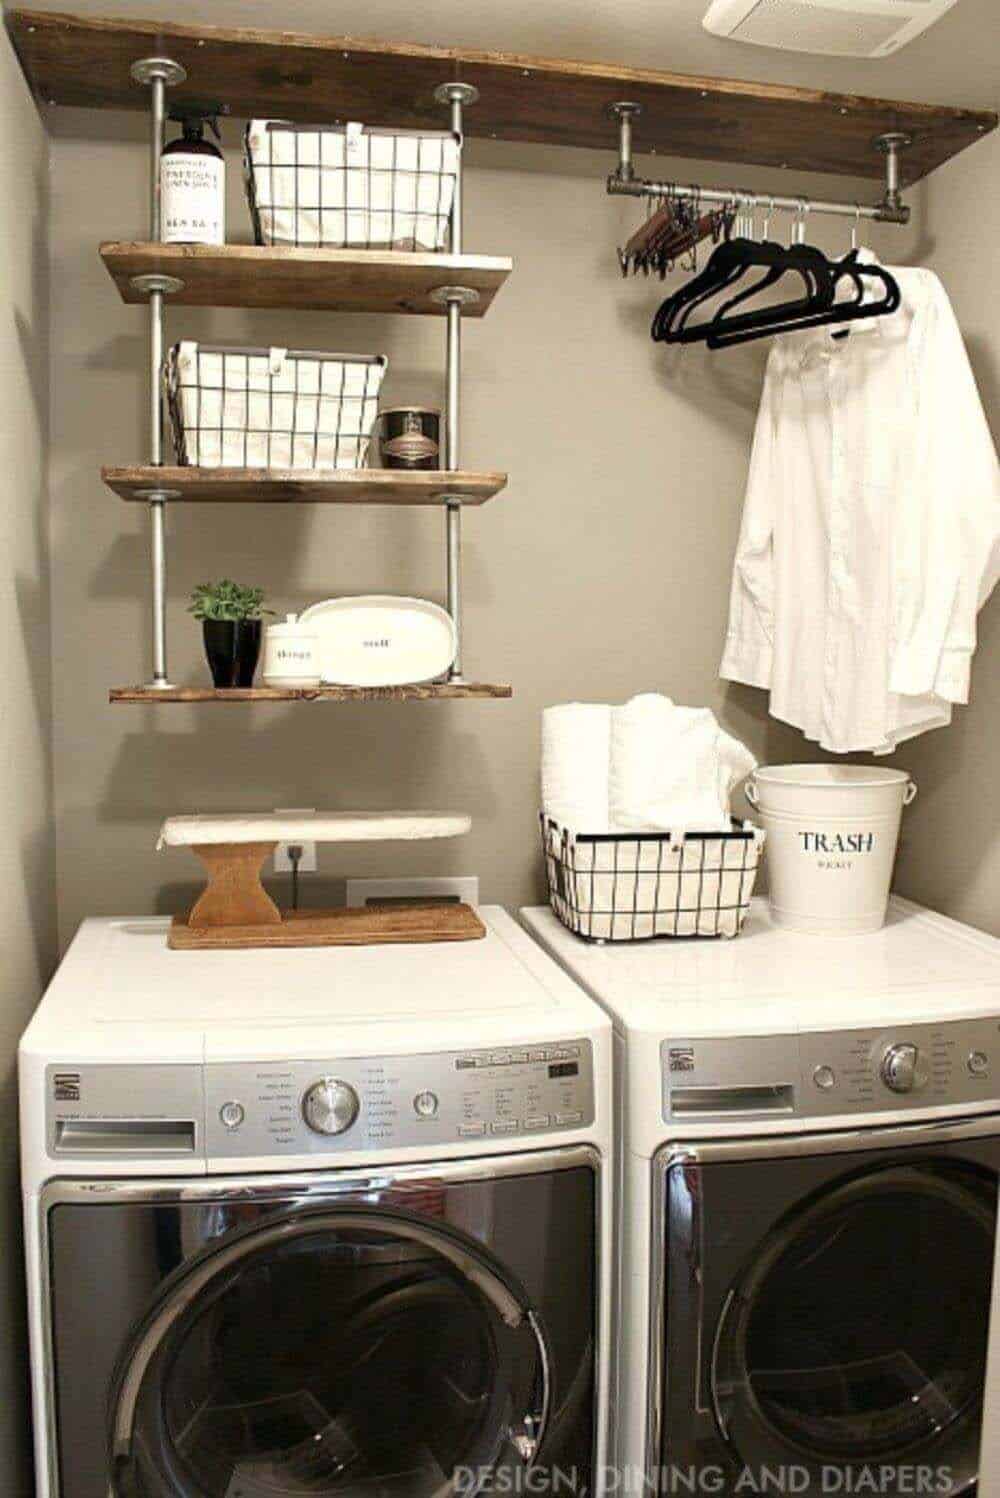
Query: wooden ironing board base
[[367, 926], [234, 909]]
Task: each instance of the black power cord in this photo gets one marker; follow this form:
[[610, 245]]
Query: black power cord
[[295, 852]]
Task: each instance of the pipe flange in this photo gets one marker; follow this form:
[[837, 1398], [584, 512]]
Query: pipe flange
[[149, 69], [147, 284], [624, 109], [462, 296], [892, 140], [158, 686], [157, 496], [456, 93]]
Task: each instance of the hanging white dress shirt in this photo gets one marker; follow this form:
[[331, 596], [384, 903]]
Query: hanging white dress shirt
[[871, 528]]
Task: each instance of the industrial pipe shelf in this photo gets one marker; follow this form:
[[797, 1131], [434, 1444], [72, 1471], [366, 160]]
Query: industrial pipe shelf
[[237, 275], [361, 486], [437, 691], [86, 61]]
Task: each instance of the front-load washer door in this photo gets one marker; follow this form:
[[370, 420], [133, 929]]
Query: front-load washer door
[[342, 1350], [413, 1334], [826, 1318]]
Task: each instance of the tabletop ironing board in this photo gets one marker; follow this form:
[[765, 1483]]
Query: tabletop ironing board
[[234, 910]]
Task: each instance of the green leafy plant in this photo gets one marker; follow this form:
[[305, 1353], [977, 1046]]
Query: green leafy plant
[[227, 600]]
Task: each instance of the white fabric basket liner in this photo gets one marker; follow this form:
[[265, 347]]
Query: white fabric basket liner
[[636, 886], [277, 408], [350, 185]]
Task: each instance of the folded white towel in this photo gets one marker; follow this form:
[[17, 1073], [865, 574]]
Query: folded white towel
[[576, 749], [665, 768], [735, 764], [647, 766]]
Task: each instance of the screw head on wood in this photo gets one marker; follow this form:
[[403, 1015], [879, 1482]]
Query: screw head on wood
[[456, 93], [148, 69]]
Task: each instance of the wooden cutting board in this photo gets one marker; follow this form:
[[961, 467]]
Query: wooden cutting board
[[366, 926]]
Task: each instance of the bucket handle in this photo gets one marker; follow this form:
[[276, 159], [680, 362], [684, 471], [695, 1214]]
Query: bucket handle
[[753, 795]]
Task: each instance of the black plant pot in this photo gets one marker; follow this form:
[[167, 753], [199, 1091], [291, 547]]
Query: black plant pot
[[233, 648]]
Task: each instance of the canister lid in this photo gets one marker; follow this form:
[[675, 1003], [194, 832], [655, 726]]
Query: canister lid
[[292, 626]]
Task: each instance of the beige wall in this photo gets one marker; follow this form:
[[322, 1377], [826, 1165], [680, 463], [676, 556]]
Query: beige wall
[[26, 830], [603, 570]]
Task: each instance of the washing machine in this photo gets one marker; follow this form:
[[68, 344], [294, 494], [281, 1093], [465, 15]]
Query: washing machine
[[329, 1222], [810, 1147]]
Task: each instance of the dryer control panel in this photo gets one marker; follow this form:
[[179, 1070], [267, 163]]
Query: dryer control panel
[[908, 1067], [338, 1104]]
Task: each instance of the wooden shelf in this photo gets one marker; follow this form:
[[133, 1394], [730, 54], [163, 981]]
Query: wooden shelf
[[328, 280], [447, 691], [85, 61], [362, 486]]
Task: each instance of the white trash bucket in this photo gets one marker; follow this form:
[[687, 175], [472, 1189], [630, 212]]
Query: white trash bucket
[[832, 832]]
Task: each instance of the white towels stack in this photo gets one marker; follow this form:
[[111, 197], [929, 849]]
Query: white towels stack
[[576, 755], [647, 766]]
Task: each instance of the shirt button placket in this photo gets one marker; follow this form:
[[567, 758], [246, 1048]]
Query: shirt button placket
[[838, 486]]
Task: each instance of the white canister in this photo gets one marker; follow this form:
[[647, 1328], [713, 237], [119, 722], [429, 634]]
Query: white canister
[[291, 654], [832, 832]]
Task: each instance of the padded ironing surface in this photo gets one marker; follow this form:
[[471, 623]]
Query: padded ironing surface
[[311, 826]]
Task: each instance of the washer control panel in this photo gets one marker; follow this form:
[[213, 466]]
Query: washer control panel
[[340, 1104], [833, 1073]]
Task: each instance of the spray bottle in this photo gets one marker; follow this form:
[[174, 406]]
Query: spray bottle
[[193, 179]]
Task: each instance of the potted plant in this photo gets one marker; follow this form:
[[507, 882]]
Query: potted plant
[[232, 623]]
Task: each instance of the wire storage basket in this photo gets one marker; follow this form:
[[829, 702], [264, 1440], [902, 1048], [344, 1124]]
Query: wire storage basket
[[271, 408], [350, 186], [638, 885]]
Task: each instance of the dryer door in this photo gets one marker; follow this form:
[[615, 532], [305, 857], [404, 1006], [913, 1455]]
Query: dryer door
[[826, 1317], [858, 1334], [347, 1349]]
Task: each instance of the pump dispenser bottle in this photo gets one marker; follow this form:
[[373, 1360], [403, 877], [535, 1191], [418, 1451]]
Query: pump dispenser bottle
[[193, 180]]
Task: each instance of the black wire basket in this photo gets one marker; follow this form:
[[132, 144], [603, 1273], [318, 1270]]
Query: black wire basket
[[643, 885], [271, 408], [350, 186]]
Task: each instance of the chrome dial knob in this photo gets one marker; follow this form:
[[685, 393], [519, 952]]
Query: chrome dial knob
[[904, 1068], [330, 1106]]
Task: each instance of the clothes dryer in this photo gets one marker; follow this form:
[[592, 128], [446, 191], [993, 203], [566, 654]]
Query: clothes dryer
[[810, 1132]]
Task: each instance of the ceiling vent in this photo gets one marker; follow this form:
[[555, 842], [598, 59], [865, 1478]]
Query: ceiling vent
[[837, 28]]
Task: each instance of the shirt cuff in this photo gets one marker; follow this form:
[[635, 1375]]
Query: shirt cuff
[[751, 662], [953, 675], [913, 676]]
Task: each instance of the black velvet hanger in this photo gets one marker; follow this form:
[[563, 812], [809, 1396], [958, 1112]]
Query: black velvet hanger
[[729, 264], [735, 259], [722, 334]]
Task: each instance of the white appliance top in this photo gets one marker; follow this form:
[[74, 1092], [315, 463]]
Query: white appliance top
[[920, 967], [122, 995], [144, 1059]]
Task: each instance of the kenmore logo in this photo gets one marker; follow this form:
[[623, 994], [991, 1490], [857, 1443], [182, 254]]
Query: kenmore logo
[[67, 1086]]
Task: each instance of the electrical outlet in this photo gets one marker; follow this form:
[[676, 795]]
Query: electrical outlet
[[282, 862], [362, 891]]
